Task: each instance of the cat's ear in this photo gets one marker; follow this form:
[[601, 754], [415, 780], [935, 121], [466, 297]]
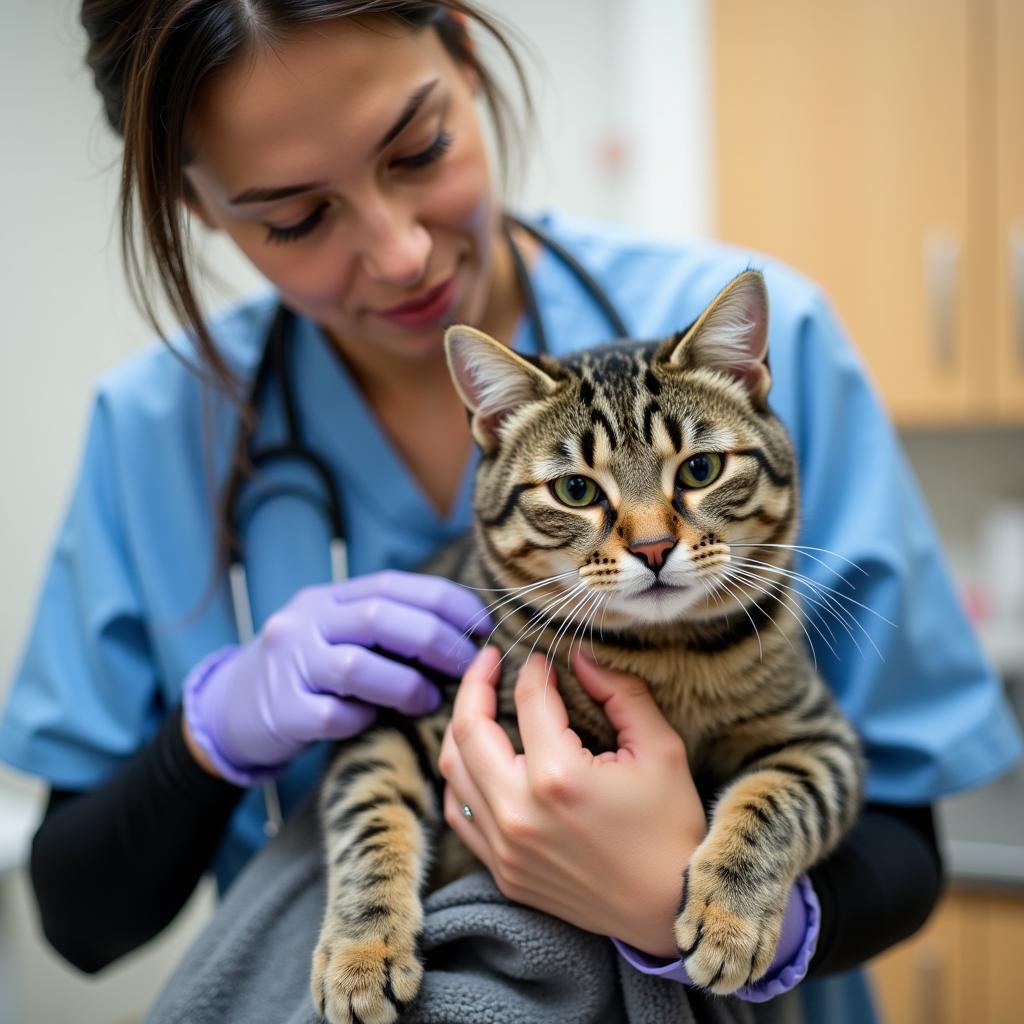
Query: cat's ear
[[492, 381], [731, 336]]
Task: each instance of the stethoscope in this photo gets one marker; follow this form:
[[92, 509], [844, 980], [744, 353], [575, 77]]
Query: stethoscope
[[238, 507]]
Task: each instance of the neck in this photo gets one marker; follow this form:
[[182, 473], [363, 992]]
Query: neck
[[387, 380]]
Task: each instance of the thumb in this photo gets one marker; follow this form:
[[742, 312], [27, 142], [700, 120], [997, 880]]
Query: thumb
[[628, 705]]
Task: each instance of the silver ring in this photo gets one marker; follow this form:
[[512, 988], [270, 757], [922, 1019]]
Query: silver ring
[[466, 812]]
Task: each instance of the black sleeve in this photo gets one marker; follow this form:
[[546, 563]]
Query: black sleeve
[[129, 854], [112, 867], [878, 887]]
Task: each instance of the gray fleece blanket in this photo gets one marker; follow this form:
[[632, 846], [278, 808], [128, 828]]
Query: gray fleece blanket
[[488, 961]]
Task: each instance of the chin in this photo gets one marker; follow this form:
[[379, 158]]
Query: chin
[[662, 605]]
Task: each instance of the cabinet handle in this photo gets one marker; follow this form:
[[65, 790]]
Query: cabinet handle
[[1017, 285], [942, 267]]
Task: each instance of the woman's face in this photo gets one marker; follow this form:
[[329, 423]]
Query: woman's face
[[348, 164]]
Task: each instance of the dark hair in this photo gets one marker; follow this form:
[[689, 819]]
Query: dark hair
[[149, 59]]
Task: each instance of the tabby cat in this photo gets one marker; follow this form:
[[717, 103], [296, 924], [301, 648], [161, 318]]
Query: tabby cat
[[642, 495]]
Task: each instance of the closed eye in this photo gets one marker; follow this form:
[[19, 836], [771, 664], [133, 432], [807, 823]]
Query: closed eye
[[441, 144], [293, 231]]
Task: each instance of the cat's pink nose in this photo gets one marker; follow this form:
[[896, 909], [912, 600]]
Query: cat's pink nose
[[653, 552]]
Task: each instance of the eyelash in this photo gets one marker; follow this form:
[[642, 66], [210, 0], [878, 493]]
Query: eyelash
[[433, 152], [417, 161], [295, 231]]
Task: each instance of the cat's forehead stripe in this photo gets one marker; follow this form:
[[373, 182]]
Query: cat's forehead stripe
[[599, 418], [587, 447]]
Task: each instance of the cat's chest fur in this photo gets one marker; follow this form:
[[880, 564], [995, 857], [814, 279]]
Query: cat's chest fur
[[700, 694]]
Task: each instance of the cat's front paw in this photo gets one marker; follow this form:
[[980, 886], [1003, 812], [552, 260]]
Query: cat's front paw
[[727, 930], [369, 981]]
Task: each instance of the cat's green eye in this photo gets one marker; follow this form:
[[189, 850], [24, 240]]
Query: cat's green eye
[[575, 491], [700, 470]]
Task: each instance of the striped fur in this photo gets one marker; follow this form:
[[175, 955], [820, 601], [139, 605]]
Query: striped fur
[[720, 642]]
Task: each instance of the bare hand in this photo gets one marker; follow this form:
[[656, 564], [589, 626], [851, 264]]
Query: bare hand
[[599, 841]]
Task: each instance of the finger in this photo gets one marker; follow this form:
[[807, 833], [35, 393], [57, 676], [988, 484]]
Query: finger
[[543, 720], [401, 629], [347, 670], [334, 718], [457, 605], [627, 702], [461, 783], [466, 829], [476, 841], [477, 694], [483, 744]]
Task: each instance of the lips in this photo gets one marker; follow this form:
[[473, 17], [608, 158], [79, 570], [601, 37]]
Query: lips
[[426, 308]]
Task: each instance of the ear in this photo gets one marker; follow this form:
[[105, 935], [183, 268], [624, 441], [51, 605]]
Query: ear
[[492, 381], [731, 336]]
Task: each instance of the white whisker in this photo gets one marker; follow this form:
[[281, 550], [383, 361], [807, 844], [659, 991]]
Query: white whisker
[[793, 610], [792, 606], [743, 608], [816, 600], [513, 593], [581, 629], [518, 608], [565, 626], [539, 630], [770, 593], [831, 599], [563, 630], [832, 590], [778, 588], [803, 549], [510, 590], [590, 626]]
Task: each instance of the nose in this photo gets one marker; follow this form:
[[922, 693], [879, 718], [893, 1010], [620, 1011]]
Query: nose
[[396, 248], [653, 552]]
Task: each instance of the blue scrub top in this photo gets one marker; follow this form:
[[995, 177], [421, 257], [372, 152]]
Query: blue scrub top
[[131, 600]]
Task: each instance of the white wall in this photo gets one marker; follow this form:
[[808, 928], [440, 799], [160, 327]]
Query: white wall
[[621, 91], [67, 316]]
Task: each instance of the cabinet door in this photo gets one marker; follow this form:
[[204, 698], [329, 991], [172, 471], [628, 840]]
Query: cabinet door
[[1002, 978], [963, 967], [924, 980], [1008, 43], [843, 146]]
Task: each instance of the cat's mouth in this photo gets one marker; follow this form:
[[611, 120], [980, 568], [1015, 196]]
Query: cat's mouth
[[657, 587]]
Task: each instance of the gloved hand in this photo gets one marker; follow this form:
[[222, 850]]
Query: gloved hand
[[310, 673]]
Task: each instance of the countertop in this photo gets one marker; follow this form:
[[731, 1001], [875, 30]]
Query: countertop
[[982, 831]]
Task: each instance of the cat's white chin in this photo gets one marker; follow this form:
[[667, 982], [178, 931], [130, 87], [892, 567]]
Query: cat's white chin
[[660, 603]]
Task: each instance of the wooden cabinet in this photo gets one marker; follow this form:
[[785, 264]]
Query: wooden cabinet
[[1008, 143], [879, 148], [962, 968]]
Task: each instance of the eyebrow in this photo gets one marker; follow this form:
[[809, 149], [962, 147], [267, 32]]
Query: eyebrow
[[269, 195], [412, 108]]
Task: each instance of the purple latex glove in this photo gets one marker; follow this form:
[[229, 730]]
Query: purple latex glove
[[310, 674]]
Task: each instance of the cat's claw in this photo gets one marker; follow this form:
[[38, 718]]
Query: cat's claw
[[726, 939], [370, 981]]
